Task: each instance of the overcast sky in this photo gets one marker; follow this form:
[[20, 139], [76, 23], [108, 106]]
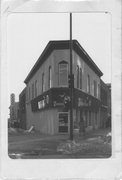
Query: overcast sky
[[29, 33]]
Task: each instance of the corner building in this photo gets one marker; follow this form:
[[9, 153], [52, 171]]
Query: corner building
[[47, 87]]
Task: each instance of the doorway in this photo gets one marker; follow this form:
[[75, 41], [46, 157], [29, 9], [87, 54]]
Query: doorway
[[63, 122]]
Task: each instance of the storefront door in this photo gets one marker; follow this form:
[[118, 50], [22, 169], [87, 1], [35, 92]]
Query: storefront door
[[63, 122]]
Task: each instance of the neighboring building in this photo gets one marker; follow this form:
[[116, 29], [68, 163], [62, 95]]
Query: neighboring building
[[109, 98], [14, 112], [108, 124], [47, 88], [105, 104], [22, 109]]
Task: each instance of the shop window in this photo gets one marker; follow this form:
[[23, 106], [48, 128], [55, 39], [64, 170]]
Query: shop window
[[77, 76], [43, 83], [88, 84], [36, 88], [80, 78], [50, 78], [63, 73]]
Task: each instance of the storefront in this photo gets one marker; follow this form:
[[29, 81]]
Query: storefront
[[54, 101]]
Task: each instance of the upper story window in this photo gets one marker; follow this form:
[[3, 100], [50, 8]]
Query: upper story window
[[36, 88], [88, 84], [43, 83], [95, 88], [63, 73], [29, 94], [98, 91], [77, 76], [50, 77], [80, 78], [32, 90]]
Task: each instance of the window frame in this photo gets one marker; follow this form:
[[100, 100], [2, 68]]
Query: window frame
[[59, 82], [32, 90], [35, 88], [81, 78], [29, 93], [88, 84], [50, 77], [43, 85], [78, 72], [95, 88]]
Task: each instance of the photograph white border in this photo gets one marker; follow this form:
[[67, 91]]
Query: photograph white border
[[110, 168]]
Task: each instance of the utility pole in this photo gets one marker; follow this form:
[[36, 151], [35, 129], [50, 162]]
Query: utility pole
[[71, 82]]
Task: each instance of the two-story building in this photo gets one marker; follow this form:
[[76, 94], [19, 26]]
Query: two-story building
[[47, 89]]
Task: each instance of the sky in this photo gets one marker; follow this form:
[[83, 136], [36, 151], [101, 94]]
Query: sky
[[29, 33]]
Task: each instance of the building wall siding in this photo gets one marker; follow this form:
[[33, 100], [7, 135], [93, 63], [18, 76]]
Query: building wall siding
[[45, 121], [61, 55], [38, 76]]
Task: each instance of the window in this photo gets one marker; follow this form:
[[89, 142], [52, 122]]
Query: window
[[95, 88], [88, 84], [50, 77], [80, 78], [63, 73], [77, 76], [98, 91], [43, 83], [32, 91], [36, 88], [29, 95]]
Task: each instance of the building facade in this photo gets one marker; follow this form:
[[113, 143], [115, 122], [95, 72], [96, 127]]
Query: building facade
[[47, 89]]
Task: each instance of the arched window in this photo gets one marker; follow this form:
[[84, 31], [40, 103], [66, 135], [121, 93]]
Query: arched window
[[95, 88], [77, 76], [80, 78], [50, 78], [98, 91], [88, 84], [29, 96], [36, 88], [32, 90], [43, 83], [63, 73]]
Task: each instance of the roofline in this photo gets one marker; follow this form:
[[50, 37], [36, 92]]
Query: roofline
[[62, 44]]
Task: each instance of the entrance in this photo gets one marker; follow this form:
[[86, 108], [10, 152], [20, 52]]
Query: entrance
[[63, 122]]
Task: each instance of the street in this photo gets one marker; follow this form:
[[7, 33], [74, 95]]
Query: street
[[39, 146]]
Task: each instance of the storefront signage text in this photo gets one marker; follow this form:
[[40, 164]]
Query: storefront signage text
[[42, 103]]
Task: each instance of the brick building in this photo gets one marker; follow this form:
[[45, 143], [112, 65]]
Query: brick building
[[14, 111], [47, 88], [22, 109], [105, 94]]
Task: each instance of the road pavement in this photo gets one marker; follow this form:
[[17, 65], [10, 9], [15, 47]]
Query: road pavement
[[39, 146]]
